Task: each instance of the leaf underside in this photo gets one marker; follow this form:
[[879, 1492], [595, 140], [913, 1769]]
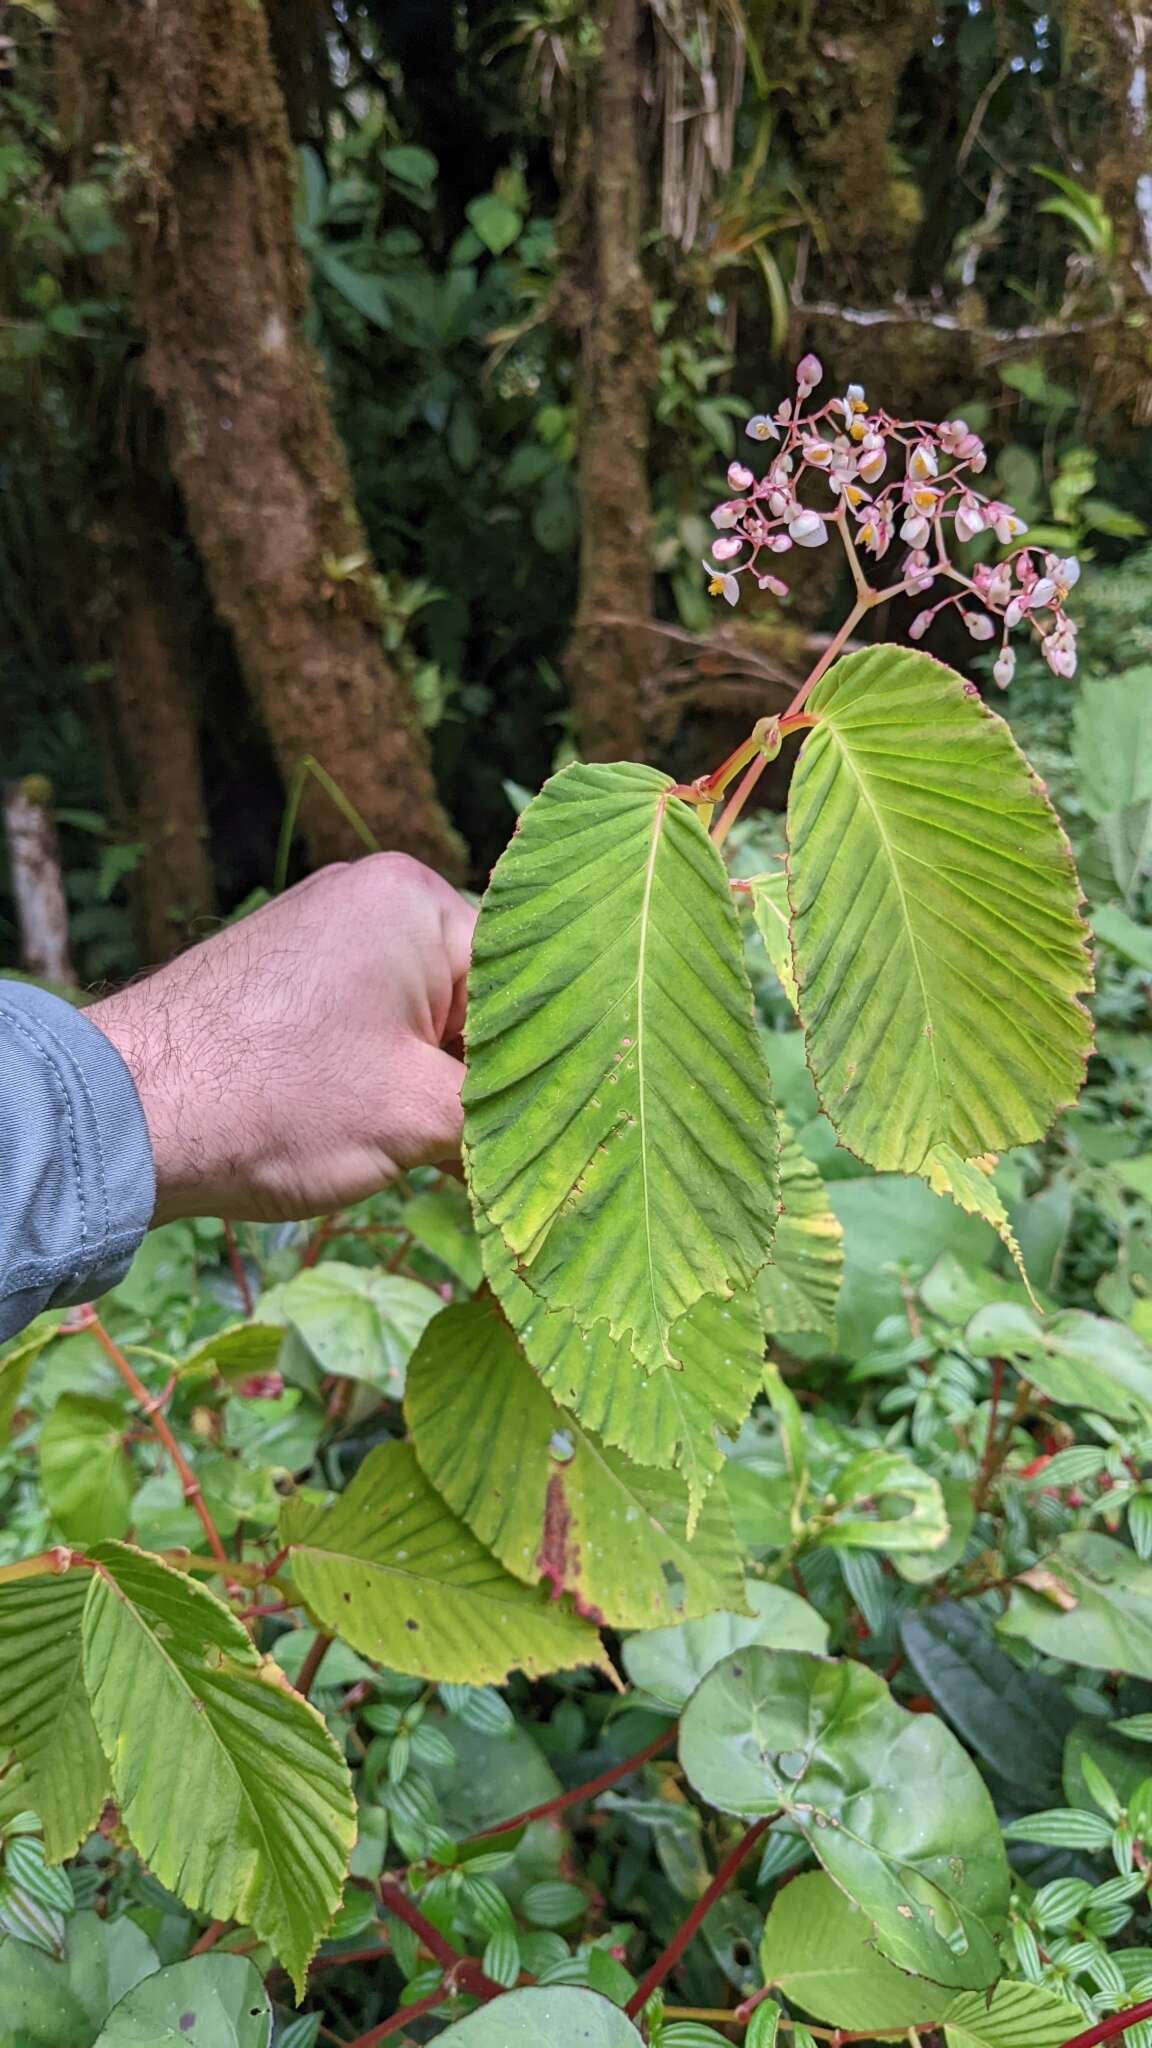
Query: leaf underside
[[939, 950], [619, 1130]]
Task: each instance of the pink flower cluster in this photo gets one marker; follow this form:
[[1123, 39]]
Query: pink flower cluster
[[928, 502]]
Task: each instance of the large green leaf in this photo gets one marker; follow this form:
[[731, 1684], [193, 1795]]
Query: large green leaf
[[1079, 1360], [545, 1497], [1108, 1625], [391, 1569], [1113, 754], [44, 1713], [619, 1127], [882, 1500], [355, 1320], [229, 1784], [62, 2002], [893, 1807], [1015, 2016], [545, 2019], [85, 1471], [798, 1290], [209, 2002], [16, 1362], [819, 1950], [1016, 1720], [668, 1663], [939, 949], [661, 1418]]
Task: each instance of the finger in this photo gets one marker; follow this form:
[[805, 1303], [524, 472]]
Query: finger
[[432, 1120], [458, 926]]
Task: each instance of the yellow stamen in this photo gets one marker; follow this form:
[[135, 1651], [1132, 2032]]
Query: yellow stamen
[[856, 430]]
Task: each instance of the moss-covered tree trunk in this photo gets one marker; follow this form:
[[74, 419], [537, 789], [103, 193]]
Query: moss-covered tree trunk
[[609, 665], [1112, 44], [157, 718], [219, 292]]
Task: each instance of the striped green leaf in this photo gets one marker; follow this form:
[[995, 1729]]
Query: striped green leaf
[[798, 1290], [660, 1418], [554, 2018], [940, 954], [44, 1713], [547, 1498], [619, 1130], [229, 1783], [1012, 2016], [390, 1568]]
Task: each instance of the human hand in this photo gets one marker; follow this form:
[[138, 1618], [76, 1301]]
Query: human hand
[[295, 1062]]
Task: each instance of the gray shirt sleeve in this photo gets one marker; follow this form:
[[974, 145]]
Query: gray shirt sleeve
[[77, 1183]]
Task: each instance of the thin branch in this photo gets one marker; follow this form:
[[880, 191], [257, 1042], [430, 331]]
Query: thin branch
[[400, 2020], [580, 1792], [1110, 2029], [394, 1899], [239, 1273], [150, 1408], [318, 1650], [907, 314], [653, 1978]]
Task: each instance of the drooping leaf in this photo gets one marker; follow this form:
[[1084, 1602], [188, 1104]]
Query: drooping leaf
[[970, 1184], [546, 1498], [355, 1320], [827, 1745], [1108, 1626], [770, 909], [1016, 1720], [662, 1418], [917, 1567], [214, 2001], [1079, 1360], [16, 1362], [798, 1290], [44, 1713], [229, 1784], [939, 950], [241, 1352], [545, 2019], [668, 1663], [619, 1129], [85, 1471], [392, 1569], [1015, 2016], [819, 1950]]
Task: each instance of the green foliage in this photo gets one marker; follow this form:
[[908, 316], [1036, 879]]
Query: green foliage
[[213, 2002], [533, 2019]]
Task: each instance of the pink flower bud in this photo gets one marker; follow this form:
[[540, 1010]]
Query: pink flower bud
[[728, 545], [872, 464], [979, 624], [779, 543], [1066, 571], [779, 502], [915, 530], [739, 478], [1041, 593], [809, 371], [808, 530], [773, 584], [1005, 667], [726, 515], [1015, 612], [920, 625]]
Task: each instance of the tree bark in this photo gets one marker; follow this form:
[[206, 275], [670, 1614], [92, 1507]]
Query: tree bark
[[158, 727], [1112, 42], [219, 290], [37, 883], [609, 666]]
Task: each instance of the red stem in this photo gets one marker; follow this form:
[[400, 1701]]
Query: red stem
[[1110, 2029], [653, 1978], [140, 1394], [237, 1264], [400, 2020], [317, 1651], [987, 1470], [395, 1900], [579, 1792]]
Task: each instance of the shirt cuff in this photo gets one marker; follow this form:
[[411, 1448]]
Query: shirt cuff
[[78, 1184]]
